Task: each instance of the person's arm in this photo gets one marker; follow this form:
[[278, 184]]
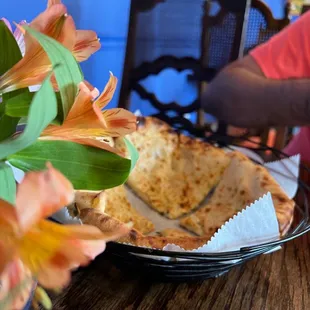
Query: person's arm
[[242, 96], [271, 86]]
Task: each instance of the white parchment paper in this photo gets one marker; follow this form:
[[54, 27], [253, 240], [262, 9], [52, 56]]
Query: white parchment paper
[[254, 225]]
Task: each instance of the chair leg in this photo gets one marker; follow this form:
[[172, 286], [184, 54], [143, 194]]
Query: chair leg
[[281, 139], [264, 136]]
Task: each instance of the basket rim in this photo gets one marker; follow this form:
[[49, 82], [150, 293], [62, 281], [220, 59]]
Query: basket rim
[[302, 228]]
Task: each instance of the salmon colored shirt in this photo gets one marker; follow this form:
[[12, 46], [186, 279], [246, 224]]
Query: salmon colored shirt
[[287, 56]]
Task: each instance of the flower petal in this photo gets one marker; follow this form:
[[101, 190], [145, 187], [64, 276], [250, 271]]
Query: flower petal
[[53, 2], [82, 111], [32, 69], [9, 230], [55, 23], [5, 282], [88, 243], [117, 122], [7, 253], [86, 124], [52, 277], [67, 35], [93, 248], [82, 105], [19, 36], [14, 275], [41, 194], [88, 121], [78, 113], [42, 245], [61, 248], [93, 90], [50, 22], [87, 43], [82, 232], [47, 19], [8, 218], [107, 93]]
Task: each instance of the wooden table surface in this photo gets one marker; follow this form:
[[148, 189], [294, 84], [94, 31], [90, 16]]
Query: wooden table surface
[[277, 281]]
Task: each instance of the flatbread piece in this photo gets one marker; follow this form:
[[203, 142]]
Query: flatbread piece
[[243, 182], [174, 172], [114, 202], [108, 224], [174, 232]]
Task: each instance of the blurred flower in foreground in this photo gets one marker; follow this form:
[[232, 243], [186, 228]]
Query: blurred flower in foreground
[[31, 246], [87, 124]]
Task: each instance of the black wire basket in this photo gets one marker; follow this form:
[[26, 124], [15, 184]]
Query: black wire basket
[[186, 266]]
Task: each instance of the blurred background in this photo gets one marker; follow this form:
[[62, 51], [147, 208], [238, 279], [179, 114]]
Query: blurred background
[[109, 18]]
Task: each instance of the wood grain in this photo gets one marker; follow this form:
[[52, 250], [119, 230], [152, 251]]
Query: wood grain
[[277, 281]]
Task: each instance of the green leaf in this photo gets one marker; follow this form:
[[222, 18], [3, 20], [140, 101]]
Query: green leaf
[[60, 114], [7, 183], [22, 121], [81, 71], [19, 107], [42, 111], [9, 51], [7, 126], [19, 104], [86, 167], [68, 75], [10, 54], [134, 155], [42, 297]]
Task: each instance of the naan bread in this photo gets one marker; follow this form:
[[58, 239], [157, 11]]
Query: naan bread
[[114, 202], [118, 206], [90, 199], [243, 182], [174, 173], [87, 199], [108, 224], [173, 232]]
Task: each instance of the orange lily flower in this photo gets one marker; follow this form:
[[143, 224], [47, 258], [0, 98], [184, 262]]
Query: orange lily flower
[[53, 2], [14, 274], [87, 124], [87, 42], [46, 250], [33, 67]]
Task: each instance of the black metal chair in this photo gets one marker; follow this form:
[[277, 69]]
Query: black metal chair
[[199, 29], [216, 37], [222, 40]]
